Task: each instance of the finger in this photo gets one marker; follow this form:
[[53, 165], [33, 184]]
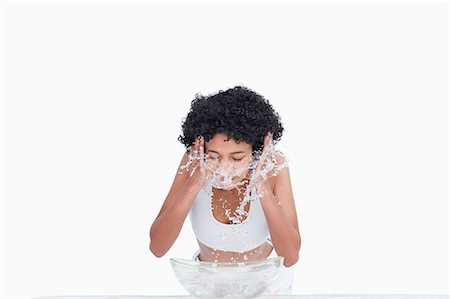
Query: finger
[[192, 149], [208, 169], [197, 142], [268, 139], [201, 154], [193, 170], [262, 161], [207, 164], [266, 145], [201, 143]]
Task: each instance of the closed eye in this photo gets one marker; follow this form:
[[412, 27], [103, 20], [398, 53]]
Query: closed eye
[[234, 159]]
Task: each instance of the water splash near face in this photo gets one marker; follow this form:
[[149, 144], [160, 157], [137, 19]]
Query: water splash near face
[[245, 177], [194, 155], [265, 165], [222, 178]]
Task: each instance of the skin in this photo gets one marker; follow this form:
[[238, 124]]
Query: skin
[[277, 202], [230, 155]]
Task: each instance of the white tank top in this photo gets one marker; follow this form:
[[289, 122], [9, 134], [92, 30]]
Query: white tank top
[[247, 235]]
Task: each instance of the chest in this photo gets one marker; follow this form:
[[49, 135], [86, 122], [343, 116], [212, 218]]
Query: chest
[[225, 204]]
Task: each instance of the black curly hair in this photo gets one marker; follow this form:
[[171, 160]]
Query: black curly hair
[[238, 112]]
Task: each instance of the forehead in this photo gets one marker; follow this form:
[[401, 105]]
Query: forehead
[[220, 144]]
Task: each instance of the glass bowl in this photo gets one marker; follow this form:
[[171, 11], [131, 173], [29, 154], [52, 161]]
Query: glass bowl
[[226, 279]]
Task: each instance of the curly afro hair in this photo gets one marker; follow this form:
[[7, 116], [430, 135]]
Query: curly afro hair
[[239, 112]]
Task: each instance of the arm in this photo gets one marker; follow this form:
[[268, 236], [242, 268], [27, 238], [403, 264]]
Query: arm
[[167, 225], [279, 209]]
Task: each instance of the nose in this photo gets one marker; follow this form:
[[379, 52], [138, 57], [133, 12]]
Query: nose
[[226, 167]]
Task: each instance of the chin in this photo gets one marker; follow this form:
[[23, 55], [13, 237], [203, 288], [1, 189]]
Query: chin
[[228, 189]]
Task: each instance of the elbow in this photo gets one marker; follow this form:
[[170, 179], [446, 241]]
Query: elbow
[[293, 258], [156, 252], [153, 248], [290, 261]]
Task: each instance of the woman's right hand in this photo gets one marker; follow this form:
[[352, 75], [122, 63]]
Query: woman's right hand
[[196, 166]]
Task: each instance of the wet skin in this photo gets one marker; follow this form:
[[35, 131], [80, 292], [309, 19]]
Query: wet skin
[[232, 156]]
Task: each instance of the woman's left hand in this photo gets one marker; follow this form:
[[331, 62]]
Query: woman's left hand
[[262, 170]]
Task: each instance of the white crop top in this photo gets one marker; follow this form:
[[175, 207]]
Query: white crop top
[[247, 235]]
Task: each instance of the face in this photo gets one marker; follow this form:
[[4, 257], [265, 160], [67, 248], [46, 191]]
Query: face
[[228, 158]]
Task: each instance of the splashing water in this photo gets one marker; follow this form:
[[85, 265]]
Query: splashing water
[[262, 165], [247, 279], [221, 179]]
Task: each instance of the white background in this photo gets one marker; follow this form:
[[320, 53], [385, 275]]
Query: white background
[[93, 94]]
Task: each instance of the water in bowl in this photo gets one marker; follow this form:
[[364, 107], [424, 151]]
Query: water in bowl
[[226, 279]]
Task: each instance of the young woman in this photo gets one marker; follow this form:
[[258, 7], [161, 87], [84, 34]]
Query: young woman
[[233, 184]]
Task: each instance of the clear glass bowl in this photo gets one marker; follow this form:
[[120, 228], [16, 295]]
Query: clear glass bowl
[[226, 279]]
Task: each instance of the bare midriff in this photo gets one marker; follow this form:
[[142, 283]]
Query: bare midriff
[[209, 254], [231, 199]]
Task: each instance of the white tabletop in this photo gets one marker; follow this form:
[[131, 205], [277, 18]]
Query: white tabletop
[[308, 296]]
